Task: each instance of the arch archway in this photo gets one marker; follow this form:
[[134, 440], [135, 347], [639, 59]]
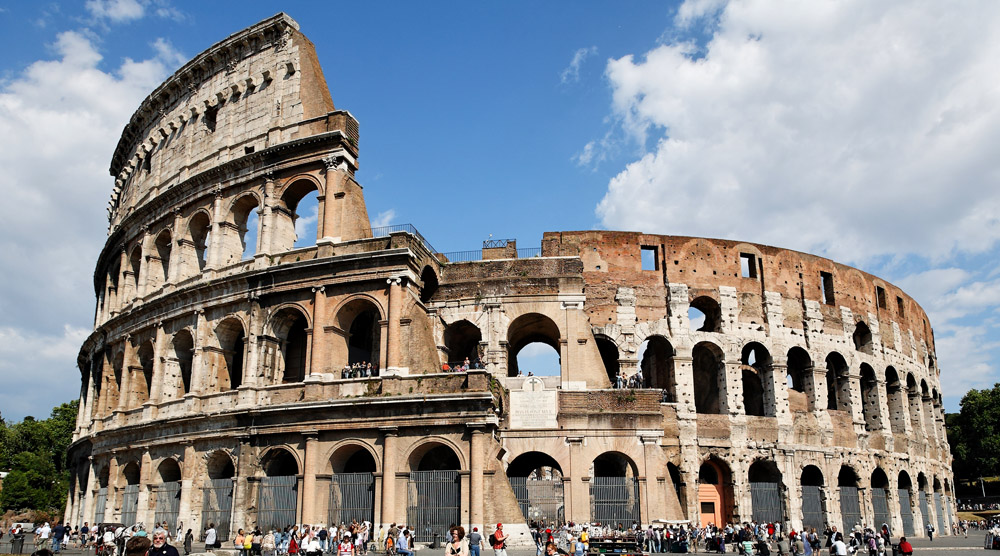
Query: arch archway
[[715, 492], [130, 494], [813, 500], [767, 493], [179, 366], [278, 495], [352, 485], [360, 318], [708, 312], [708, 369], [850, 502], [101, 498], [838, 383], [799, 380], [159, 263], [289, 326], [241, 230], [609, 356], [896, 400], [614, 489], [217, 493], [862, 338], [870, 398], [297, 216], [429, 284], [758, 389], [462, 341], [913, 402], [537, 481], [433, 490], [229, 364], [142, 369], [530, 328], [880, 498], [168, 493], [657, 364], [904, 492]]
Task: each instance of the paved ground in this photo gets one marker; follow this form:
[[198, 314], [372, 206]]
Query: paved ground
[[941, 546]]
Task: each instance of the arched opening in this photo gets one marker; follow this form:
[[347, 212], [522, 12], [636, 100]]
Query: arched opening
[[708, 372], [134, 268], [242, 230], [880, 498], [609, 356], [537, 336], [538, 485], [913, 402], [928, 410], [838, 383], [799, 380], [101, 499], [296, 217], [429, 281], [352, 485], [433, 491], [232, 342], [360, 318], [758, 398], [705, 315], [614, 489], [462, 339], [924, 498], [290, 327], [200, 232], [869, 398], [903, 492], [159, 268], [850, 502], [942, 525], [813, 502], [179, 366], [217, 494], [767, 495], [111, 298], [130, 494], [897, 403], [656, 360], [144, 386], [715, 494], [862, 338], [168, 494], [277, 497], [678, 486]]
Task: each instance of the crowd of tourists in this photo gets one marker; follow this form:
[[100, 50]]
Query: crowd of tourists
[[461, 366], [978, 507], [361, 369]]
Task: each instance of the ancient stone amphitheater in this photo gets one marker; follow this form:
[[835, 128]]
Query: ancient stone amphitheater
[[775, 385]]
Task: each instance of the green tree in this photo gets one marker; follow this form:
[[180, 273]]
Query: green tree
[[974, 434], [33, 484], [35, 453]]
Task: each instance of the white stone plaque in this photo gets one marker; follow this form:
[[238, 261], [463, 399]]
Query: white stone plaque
[[533, 407]]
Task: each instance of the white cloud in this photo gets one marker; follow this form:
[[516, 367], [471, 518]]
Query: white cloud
[[572, 72], [851, 129], [60, 120], [116, 10], [384, 218]]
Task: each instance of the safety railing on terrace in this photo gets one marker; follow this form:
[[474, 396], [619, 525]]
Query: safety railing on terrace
[[456, 256], [477, 255], [383, 231]]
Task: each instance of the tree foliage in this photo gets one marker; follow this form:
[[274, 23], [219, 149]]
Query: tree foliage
[[35, 454], [974, 434]]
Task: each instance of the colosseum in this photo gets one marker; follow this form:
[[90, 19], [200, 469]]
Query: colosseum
[[221, 382]]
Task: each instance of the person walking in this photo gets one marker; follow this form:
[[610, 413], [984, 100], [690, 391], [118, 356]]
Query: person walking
[[188, 542], [456, 547], [475, 542], [930, 532], [499, 541], [211, 536]]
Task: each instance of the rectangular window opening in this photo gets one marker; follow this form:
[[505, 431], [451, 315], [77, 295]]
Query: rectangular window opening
[[649, 259], [748, 265], [880, 296], [900, 306], [826, 284]]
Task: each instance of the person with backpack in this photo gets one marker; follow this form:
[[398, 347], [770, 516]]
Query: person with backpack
[[498, 540]]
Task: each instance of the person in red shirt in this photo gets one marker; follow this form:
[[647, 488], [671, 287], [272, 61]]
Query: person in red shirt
[[905, 548]]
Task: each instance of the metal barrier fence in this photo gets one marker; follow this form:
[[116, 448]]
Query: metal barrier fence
[[850, 507], [812, 507], [217, 506], [880, 505], [614, 500], [383, 231], [130, 504], [940, 513], [352, 496], [99, 504], [168, 504], [277, 501], [767, 503], [433, 499], [477, 254], [905, 511], [541, 500]]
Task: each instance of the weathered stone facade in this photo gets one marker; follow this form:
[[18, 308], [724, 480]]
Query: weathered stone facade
[[213, 378]]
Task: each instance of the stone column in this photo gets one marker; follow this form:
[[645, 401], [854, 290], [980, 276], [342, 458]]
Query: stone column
[[476, 500], [111, 502], [159, 342], [212, 260], [174, 262], [317, 361], [395, 300], [144, 514], [578, 493], [199, 372], [189, 473], [90, 492], [125, 293], [389, 439], [143, 279], [241, 486], [267, 217], [309, 478], [779, 389], [650, 495], [125, 391], [731, 388]]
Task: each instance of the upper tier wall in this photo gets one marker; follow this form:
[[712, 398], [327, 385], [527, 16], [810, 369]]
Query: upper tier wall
[[614, 259], [255, 89]]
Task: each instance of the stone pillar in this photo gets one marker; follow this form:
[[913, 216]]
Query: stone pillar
[[395, 300], [174, 261], [213, 259], [199, 363], [267, 217], [145, 514], [317, 361], [111, 502], [731, 388], [143, 280], [309, 478], [189, 472], [126, 389], [90, 492], [389, 439], [125, 293], [241, 487], [476, 500], [578, 493], [159, 343], [779, 389], [650, 495]]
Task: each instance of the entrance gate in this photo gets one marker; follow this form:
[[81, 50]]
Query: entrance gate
[[812, 507], [850, 508], [168, 504], [541, 500], [924, 512], [767, 502], [905, 511], [433, 503], [130, 504], [352, 496], [940, 513], [880, 504], [217, 505], [99, 504], [277, 502], [614, 500]]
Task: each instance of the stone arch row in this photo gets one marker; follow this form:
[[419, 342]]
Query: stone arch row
[[138, 371], [213, 232]]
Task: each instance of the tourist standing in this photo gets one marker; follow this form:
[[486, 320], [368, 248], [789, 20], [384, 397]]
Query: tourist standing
[[475, 542], [499, 542], [211, 536]]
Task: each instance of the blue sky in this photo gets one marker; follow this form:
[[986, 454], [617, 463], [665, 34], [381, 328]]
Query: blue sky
[[857, 131]]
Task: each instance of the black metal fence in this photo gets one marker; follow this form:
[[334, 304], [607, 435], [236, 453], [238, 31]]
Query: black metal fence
[[880, 505], [130, 504], [217, 506], [100, 502], [812, 507], [850, 507], [433, 503], [767, 502], [277, 502], [352, 496], [541, 500], [614, 500], [905, 511], [168, 504], [477, 254], [383, 231]]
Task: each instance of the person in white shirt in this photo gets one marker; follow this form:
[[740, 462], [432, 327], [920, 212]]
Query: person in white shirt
[[210, 537], [838, 548]]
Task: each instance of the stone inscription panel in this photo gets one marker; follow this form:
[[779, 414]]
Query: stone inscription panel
[[533, 407]]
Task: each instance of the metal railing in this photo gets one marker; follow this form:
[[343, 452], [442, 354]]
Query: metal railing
[[477, 255], [384, 231]]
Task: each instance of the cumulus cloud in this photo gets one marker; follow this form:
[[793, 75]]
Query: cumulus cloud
[[60, 120], [384, 218], [572, 72], [852, 129], [116, 10]]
